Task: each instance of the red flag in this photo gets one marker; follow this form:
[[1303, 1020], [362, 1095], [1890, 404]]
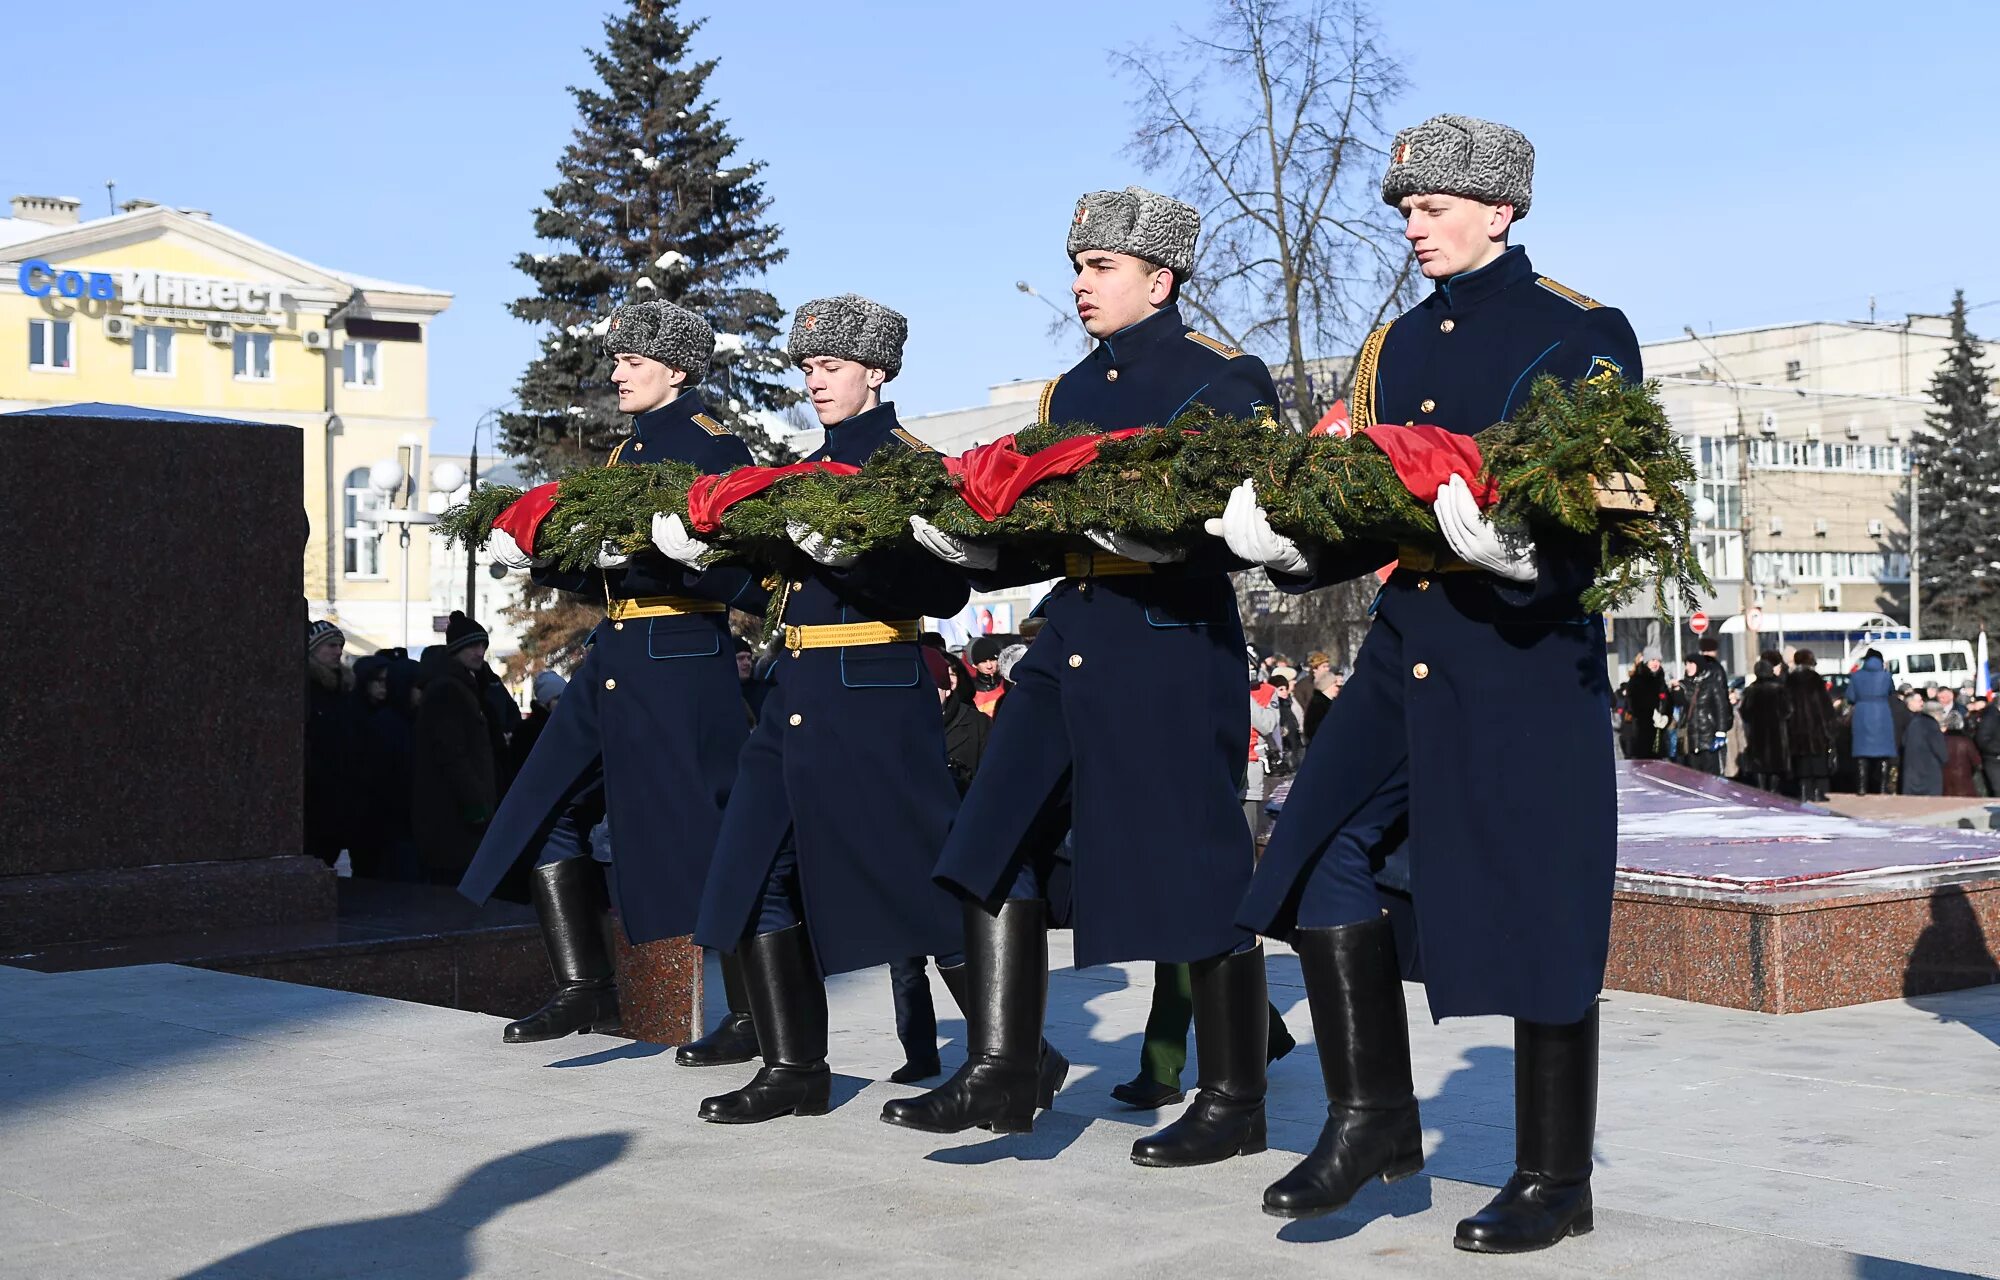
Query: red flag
[[1334, 422]]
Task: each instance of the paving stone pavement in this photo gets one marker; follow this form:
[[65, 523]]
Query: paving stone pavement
[[167, 1122]]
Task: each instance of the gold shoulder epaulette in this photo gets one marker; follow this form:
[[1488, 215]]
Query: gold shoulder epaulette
[[1564, 291], [1216, 345], [612, 461], [710, 425], [910, 440], [1048, 394]]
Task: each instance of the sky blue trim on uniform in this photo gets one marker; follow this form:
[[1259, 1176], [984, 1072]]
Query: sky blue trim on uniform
[[1184, 404], [714, 640], [1507, 405]]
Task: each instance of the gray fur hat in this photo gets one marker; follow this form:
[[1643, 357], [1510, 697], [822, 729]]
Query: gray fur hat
[[661, 331], [1461, 156], [1143, 223], [849, 327]]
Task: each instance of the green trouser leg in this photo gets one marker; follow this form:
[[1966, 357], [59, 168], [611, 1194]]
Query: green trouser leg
[[1163, 1055]]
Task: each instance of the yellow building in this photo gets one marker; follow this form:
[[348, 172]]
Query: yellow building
[[169, 308]]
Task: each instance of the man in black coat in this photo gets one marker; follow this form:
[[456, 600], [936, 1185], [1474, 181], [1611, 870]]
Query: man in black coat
[[1511, 821], [333, 742], [454, 782], [1707, 716]]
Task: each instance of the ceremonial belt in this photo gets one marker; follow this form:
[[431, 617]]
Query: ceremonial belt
[[848, 635], [1424, 560], [1095, 564], [660, 607]]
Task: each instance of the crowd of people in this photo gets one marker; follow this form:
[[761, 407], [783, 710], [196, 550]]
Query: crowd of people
[[1792, 730]]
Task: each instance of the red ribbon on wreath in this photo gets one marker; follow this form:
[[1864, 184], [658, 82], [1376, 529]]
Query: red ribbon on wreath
[[710, 497], [1427, 457], [524, 515], [992, 477]]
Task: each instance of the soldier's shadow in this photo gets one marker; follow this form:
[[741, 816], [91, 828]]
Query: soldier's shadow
[[1074, 1029]]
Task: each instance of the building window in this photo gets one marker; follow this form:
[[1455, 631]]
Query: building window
[[153, 350], [48, 345], [252, 354], [364, 538], [360, 364]]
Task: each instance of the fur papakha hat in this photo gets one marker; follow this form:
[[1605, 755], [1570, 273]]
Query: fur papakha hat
[[1462, 156], [675, 336], [1143, 223], [849, 327]]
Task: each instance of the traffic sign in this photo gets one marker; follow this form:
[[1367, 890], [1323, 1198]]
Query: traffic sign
[[1698, 623], [1754, 619]]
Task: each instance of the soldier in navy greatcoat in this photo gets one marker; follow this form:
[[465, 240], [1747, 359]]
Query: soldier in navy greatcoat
[[1510, 819], [651, 724], [843, 795], [1160, 849]]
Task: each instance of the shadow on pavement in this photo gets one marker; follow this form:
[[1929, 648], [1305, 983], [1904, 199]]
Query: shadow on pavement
[[629, 1049], [424, 1242], [1951, 956]]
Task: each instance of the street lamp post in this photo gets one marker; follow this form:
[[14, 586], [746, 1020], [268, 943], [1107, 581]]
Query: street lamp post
[[391, 478], [1742, 480]]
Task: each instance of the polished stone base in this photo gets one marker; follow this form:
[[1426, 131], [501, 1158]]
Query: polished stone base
[[406, 942], [72, 907], [660, 990]]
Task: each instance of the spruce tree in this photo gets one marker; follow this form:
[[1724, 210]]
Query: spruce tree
[[1958, 482], [651, 204]]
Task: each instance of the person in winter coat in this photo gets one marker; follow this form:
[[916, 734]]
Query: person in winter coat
[[1812, 726], [333, 740], [1324, 683], [454, 783], [1986, 737], [988, 685], [1872, 691], [1706, 716], [1767, 713], [389, 849], [1649, 706], [1961, 764], [1925, 752]]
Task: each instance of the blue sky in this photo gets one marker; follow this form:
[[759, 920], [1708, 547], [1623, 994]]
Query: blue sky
[[1713, 164]]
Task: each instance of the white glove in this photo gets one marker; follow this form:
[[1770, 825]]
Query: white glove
[[831, 552], [966, 553], [675, 542], [1247, 530], [1477, 540], [610, 557], [1133, 549]]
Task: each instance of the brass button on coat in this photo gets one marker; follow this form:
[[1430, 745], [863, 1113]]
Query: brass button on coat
[[1421, 671], [1111, 375], [798, 586], [1076, 659], [610, 682], [1423, 584], [617, 626], [1428, 405], [797, 719], [1448, 326], [638, 446]]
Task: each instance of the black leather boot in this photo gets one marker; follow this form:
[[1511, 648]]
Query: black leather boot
[[1006, 981], [1231, 1040], [574, 907], [1372, 1130], [1051, 1067], [788, 1006], [1555, 1121], [734, 1038]]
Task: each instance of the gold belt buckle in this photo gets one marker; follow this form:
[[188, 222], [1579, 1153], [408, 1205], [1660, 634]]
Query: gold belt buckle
[[795, 638]]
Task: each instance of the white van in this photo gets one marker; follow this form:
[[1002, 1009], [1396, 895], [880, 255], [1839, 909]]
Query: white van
[[1920, 662]]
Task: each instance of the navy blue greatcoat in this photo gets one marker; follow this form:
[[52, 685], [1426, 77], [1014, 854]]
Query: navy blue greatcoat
[[848, 759], [1132, 701], [654, 712], [1479, 709]]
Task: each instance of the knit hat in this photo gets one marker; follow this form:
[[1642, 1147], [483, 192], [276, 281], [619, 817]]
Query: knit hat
[[849, 327], [317, 633], [548, 687], [983, 648], [661, 331], [1461, 156], [1143, 223], [460, 631]]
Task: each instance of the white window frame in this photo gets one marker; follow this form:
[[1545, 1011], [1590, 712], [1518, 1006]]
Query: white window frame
[[51, 326], [143, 336], [374, 351], [246, 342], [360, 538]]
